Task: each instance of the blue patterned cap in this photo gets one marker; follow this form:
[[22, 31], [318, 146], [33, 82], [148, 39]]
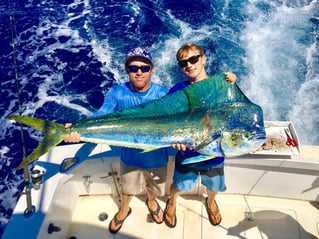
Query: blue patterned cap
[[138, 52]]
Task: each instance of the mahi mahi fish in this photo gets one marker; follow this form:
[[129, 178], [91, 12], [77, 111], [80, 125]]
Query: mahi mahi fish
[[212, 116]]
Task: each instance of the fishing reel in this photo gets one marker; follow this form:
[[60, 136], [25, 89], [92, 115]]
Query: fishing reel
[[36, 178]]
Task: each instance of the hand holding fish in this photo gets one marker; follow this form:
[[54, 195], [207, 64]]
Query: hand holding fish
[[180, 146], [230, 77], [73, 137]]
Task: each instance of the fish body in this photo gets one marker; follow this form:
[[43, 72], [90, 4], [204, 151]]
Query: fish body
[[212, 116]]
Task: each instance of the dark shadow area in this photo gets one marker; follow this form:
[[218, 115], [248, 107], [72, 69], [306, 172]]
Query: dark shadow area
[[273, 224]]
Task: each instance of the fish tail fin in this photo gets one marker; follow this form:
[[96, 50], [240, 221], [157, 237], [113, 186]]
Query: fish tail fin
[[53, 132]]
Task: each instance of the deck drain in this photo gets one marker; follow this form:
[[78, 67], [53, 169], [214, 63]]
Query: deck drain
[[103, 216]]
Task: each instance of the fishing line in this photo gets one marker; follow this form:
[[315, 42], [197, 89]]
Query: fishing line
[[16, 73], [154, 10]]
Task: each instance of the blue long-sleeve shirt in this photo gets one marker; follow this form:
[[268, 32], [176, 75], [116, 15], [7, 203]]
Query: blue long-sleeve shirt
[[120, 97]]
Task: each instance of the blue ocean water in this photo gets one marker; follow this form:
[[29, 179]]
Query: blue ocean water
[[58, 58]]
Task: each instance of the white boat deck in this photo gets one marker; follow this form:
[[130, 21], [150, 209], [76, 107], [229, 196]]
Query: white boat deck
[[242, 217], [273, 194]]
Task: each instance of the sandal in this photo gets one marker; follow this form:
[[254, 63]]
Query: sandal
[[213, 215], [118, 222], [155, 214], [169, 224]]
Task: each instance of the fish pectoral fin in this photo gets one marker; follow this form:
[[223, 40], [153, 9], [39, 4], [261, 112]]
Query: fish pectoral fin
[[199, 158], [203, 144], [208, 141]]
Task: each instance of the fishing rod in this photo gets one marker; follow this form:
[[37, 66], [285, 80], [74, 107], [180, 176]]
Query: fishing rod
[[27, 179]]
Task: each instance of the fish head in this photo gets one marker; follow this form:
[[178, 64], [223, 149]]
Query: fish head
[[239, 142], [243, 131]]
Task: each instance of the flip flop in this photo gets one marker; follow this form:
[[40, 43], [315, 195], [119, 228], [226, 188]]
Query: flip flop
[[118, 222], [213, 214], [155, 213], [171, 225]]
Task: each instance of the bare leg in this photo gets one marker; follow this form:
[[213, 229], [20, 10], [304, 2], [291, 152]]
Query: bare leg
[[211, 196], [212, 208], [170, 210], [123, 211], [153, 205]]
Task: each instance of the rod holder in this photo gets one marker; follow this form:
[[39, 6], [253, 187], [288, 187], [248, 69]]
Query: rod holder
[[36, 178]]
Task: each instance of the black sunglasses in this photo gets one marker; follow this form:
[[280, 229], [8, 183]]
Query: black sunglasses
[[134, 69], [192, 60]]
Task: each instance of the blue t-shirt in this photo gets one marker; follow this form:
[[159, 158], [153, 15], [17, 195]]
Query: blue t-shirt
[[182, 155], [120, 97]]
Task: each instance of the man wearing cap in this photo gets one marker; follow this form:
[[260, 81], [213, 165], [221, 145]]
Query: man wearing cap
[[138, 170]]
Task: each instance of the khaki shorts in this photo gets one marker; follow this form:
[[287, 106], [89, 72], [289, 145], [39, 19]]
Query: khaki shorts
[[135, 180]]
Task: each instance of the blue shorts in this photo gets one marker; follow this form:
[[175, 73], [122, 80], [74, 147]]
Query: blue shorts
[[186, 181]]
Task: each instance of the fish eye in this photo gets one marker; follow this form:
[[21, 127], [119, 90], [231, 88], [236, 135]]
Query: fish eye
[[246, 134]]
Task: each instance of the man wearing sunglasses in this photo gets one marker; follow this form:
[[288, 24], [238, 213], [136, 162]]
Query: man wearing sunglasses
[[191, 60], [138, 171]]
